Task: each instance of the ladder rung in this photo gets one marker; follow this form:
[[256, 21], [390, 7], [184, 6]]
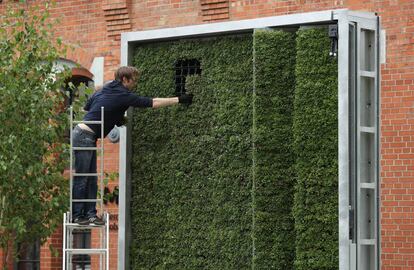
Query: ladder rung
[[87, 122], [86, 148], [86, 250], [86, 174], [89, 226], [86, 200]]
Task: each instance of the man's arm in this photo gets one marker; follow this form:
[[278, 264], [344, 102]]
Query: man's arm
[[163, 102]]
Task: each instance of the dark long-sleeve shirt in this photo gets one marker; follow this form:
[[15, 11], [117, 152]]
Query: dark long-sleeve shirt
[[116, 99]]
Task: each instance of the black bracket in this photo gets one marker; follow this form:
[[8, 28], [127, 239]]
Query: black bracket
[[333, 35], [352, 225]]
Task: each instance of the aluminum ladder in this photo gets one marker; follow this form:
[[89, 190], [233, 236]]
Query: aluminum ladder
[[99, 247]]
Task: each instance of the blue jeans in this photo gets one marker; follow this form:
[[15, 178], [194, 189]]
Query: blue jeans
[[84, 187]]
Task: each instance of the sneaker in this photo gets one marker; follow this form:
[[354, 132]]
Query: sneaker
[[96, 220], [81, 221]]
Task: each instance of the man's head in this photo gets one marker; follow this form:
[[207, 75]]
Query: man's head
[[128, 76]]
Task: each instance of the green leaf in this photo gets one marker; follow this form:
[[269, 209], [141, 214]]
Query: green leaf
[[33, 128]]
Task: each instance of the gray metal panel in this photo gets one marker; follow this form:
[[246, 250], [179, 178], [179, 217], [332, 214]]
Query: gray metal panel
[[226, 27], [361, 15], [343, 142], [367, 144], [123, 206], [124, 50], [379, 49], [352, 261], [124, 226], [358, 138]]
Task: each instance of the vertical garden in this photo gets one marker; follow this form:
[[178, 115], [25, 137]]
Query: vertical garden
[[245, 177]]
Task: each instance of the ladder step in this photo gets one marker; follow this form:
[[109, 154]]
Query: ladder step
[[86, 200], [86, 250], [86, 148], [77, 226], [87, 122], [86, 174]]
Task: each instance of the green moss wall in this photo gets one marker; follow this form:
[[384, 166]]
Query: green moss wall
[[237, 180], [273, 231], [315, 129], [192, 171]]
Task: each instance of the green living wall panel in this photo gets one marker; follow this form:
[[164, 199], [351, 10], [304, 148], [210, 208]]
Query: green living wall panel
[[192, 172], [245, 177], [274, 62], [316, 147]]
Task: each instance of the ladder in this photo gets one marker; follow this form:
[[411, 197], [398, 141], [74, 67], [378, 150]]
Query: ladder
[[98, 247]]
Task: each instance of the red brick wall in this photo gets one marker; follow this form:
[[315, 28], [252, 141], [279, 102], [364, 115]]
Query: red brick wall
[[47, 259], [93, 27], [397, 141], [3, 259]]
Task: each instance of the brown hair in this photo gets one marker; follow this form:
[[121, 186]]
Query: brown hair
[[127, 72]]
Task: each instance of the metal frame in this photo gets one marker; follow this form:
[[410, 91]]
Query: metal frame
[[340, 16], [367, 146], [69, 250], [68, 226]]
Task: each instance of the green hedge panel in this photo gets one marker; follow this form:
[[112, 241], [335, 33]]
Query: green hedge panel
[[316, 148], [191, 195], [193, 192], [274, 63]]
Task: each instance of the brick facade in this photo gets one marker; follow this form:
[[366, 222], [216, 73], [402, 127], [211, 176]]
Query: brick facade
[[93, 27]]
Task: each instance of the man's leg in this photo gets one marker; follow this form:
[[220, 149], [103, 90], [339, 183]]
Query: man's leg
[[92, 189], [83, 160], [80, 183]]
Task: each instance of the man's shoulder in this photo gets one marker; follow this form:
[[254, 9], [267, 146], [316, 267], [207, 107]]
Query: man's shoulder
[[114, 87]]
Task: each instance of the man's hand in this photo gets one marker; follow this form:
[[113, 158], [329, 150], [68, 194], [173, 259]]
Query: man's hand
[[185, 99]]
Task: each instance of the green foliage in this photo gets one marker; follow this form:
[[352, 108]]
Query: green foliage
[[33, 191], [80, 95], [316, 148], [274, 64], [192, 165], [240, 179], [109, 196]]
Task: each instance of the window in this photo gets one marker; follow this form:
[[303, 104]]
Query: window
[[76, 82], [81, 239], [182, 69], [73, 89], [29, 256]]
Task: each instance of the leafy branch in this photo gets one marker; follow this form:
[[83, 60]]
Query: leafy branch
[[33, 150]]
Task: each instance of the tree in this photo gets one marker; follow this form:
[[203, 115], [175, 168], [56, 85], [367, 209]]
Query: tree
[[33, 153]]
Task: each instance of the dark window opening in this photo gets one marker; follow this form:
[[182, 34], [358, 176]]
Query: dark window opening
[[29, 256], [73, 93], [73, 89], [183, 68], [81, 239]]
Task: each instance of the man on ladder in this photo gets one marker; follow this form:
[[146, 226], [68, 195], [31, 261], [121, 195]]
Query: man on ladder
[[116, 97]]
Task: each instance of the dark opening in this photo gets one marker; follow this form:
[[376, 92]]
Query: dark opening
[[73, 93], [182, 69], [81, 240], [29, 256]]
